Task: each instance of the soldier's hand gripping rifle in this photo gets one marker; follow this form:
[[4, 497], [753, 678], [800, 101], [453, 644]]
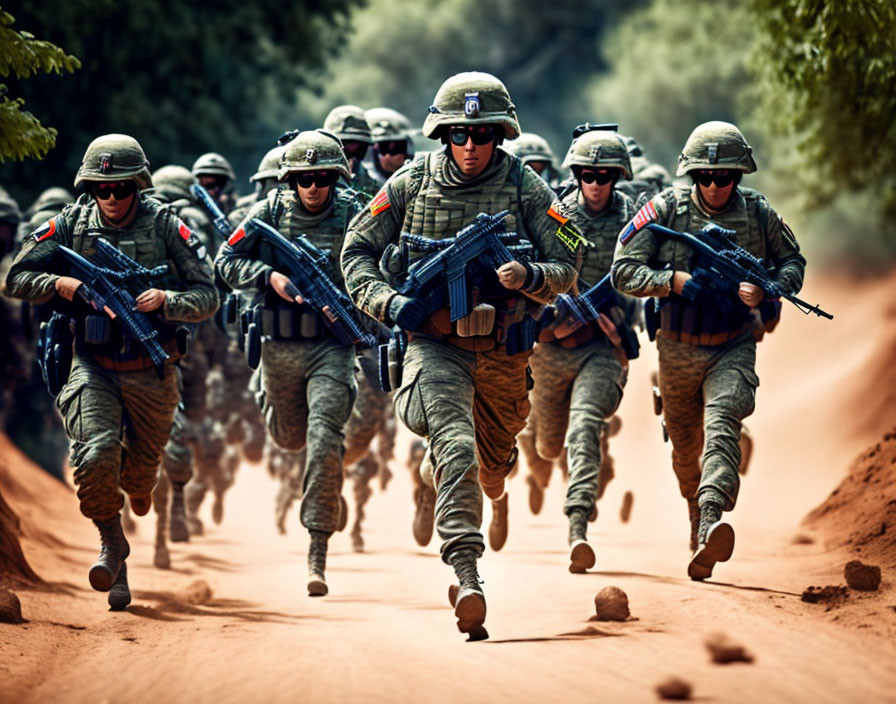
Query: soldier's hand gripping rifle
[[109, 289], [219, 219], [446, 267], [572, 312], [306, 268], [728, 265]]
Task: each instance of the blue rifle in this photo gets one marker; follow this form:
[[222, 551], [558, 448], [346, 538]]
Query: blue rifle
[[306, 267], [109, 289], [572, 312], [219, 219], [728, 265], [447, 265]]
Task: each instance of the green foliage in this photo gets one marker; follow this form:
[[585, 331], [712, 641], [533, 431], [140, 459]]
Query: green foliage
[[830, 69], [673, 65], [21, 134], [182, 77]]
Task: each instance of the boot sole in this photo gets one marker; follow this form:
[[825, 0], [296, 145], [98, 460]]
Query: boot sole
[[101, 578], [719, 548], [178, 533], [581, 557], [317, 587], [470, 613]]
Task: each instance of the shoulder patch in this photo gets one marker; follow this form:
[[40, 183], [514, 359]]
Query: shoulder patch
[[643, 217], [184, 231], [48, 229], [380, 203], [238, 234], [553, 212]]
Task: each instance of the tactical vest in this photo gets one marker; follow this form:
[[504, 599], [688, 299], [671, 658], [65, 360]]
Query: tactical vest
[[97, 335], [703, 322], [278, 319], [435, 212]]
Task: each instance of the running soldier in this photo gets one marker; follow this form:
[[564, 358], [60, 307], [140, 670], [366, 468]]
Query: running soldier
[[707, 350], [348, 123], [391, 134]]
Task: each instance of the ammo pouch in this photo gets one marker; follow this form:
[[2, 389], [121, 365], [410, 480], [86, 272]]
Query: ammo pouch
[[54, 352], [110, 344], [704, 321]]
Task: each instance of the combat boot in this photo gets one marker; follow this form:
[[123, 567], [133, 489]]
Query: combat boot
[[694, 516], [161, 557], [194, 494], [284, 500], [581, 555], [715, 541], [467, 597], [424, 515], [120, 594], [217, 508], [536, 494], [113, 552], [317, 563], [497, 530], [177, 521]]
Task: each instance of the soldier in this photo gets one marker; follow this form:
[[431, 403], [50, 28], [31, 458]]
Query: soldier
[[391, 133], [648, 178], [348, 123], [579, 377], [265, 180], [459, 386], [45, 206], [113, 398], [307, 379], [707, 353], [13, 357], [215, 174], [534, 151]]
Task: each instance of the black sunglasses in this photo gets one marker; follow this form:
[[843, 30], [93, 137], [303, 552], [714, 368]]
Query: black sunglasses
[[392, 147], [354, 150], [321, 179], [120, 189], [480, 134], [722, 178], [602, 177]]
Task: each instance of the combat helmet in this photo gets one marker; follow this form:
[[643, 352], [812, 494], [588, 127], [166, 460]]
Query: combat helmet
[[471, 98], [634, 149], [54, 198], [387, 124], [348, 122], [599, 148], [114, 157], [9, 210], [269, 165], [178, 177], [314, 150], [531, 147], [716, 145], [212, 164]]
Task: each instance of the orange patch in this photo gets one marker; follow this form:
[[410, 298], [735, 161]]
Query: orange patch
[[51, 229], [557, 216], [237, 235], [380, 203], [184, 231]]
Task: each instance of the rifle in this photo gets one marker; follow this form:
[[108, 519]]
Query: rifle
[[219, 219], [480, 241], [305, 266], [107, 289], [728, 265], [573, 312]]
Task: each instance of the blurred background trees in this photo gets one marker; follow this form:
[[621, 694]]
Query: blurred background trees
[[809, 81]]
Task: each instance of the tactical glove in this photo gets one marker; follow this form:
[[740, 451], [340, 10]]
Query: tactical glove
[[407, 313]]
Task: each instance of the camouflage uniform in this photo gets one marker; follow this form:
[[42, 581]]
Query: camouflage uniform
[[118, 413], [307, 384], [467, 395], [531, 147], [349, 124], [212, 164], [707, 353], [579, 378], [386, 125]]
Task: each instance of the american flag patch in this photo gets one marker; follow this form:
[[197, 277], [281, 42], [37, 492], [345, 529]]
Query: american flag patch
[[184, 231], [644, 216], [380, 203], [45, 230]]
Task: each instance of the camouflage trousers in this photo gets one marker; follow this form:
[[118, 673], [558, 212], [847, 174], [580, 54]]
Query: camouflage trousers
[[575, 393], [177, 462], [308, 390], [707, 392], [470, 405], [117, 424]]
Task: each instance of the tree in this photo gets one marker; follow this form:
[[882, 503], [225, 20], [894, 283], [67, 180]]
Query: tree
[[21, 133]]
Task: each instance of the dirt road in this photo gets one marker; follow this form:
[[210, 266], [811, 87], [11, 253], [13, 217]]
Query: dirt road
[[386, 632]]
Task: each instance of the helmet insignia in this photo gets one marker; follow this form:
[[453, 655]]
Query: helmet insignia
[[105, 163], [472, 105], [311, 155], [713, 150]]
